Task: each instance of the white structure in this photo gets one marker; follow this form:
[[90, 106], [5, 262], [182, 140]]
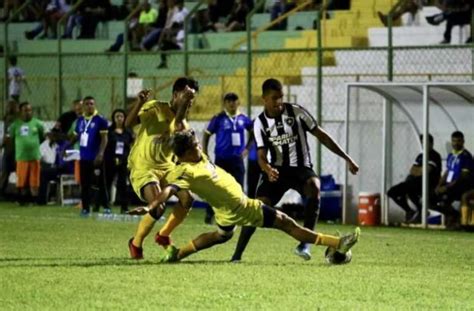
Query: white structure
[[435, 108]]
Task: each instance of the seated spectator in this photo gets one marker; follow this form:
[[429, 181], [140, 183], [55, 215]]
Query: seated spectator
[[54, 11], [411, 188], [88, 16], [237, 18], [139, 26], [174, 22], [455, 13], [171, 39], [406, 6], [456, 180], [279, 8]]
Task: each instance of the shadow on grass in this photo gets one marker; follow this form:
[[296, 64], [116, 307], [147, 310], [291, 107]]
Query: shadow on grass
[[32, 262]]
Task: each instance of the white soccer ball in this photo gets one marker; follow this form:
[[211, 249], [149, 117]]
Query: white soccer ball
[[336, 258]]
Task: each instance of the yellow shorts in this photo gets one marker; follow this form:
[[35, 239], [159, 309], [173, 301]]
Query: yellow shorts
[[248, 214], [139, 178]]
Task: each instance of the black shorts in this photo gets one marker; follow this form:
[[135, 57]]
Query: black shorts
[[289, 178]]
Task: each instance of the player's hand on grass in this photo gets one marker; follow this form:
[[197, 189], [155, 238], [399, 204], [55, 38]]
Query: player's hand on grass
[[353, 167], [140, 210], [144, 96]]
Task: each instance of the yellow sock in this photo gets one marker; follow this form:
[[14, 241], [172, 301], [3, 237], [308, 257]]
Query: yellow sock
[[144, 228], [327, 240], [175, 219], [187, 250]]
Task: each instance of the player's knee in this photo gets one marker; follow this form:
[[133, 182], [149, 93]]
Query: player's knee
[[224, 235], [157, 211]]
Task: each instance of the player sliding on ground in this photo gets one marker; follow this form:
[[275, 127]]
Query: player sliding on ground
[[232, 207]]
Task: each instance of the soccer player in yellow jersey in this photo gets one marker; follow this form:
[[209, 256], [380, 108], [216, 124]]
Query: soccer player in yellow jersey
[[232, 207], [151, 158]]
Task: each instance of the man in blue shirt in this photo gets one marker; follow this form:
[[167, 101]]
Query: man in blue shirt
[[91, 131], [229, 126], [456, 180]]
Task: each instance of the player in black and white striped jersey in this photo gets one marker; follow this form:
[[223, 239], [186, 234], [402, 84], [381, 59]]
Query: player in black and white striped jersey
[[283, 155]]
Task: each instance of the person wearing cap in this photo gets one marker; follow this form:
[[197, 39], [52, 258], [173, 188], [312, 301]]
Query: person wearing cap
[[231, 148]]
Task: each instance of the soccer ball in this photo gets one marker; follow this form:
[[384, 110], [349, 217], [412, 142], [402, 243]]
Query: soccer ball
[[335, 258]]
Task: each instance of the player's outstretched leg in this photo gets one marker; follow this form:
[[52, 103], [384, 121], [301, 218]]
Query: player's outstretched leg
[[244, 238], [203, 241], [290, 226]]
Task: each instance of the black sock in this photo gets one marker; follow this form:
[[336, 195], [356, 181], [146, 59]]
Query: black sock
[[311, 213], [244, 238]]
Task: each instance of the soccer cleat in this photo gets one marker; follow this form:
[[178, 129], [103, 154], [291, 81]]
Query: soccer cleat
[[303, 251], [162, 240], [348, 241], [85, 213], [135, 252], [171, 255]]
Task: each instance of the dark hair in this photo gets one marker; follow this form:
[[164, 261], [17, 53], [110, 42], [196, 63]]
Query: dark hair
[[113, 126], [13, 60], [23, 104], [76, 101], [231, 97], [181, 83], [430, 138], [88, 98], [457, 134], [182, 141], [271, 85]]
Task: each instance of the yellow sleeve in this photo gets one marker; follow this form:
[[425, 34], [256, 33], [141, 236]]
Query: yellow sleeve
[[180, 178], [148, 113]]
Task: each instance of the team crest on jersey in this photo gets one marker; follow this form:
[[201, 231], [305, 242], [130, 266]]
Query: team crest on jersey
[[290, 121]]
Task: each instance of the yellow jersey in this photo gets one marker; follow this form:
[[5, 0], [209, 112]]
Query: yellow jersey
[[152, 147], [220, 190]]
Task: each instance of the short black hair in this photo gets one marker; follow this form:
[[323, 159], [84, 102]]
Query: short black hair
[[23, 104], [181, 83], [88, 98], [231, 97], [13, 60], [271, 85], [182, 141], [457, 134], [430, 138]]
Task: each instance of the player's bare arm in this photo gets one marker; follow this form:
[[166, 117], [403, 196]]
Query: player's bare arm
[[164, 195], [331, 144], [183, 101], [271, 172], [132, 118]]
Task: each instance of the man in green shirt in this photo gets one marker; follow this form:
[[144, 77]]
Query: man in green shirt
[[27, 133]]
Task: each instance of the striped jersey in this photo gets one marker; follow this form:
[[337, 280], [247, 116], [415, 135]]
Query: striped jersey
[[284, 137]]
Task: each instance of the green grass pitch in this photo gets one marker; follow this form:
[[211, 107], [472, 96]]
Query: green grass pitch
[[51, 259]]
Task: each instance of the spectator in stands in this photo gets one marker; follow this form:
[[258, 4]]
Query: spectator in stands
[[279, 8], [455, 13], [91, 132], [406, 6], [171, 30], [139, 26], [8, 159], [231, 149], [27, 133], [54, 11], [119, 143], [456, 180], [237, 18], [88, 16], [412, 186], [17, 79], [218, 9]]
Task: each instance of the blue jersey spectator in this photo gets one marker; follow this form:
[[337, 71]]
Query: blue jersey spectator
[[91, 131], [231, 148], [456, 180]]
